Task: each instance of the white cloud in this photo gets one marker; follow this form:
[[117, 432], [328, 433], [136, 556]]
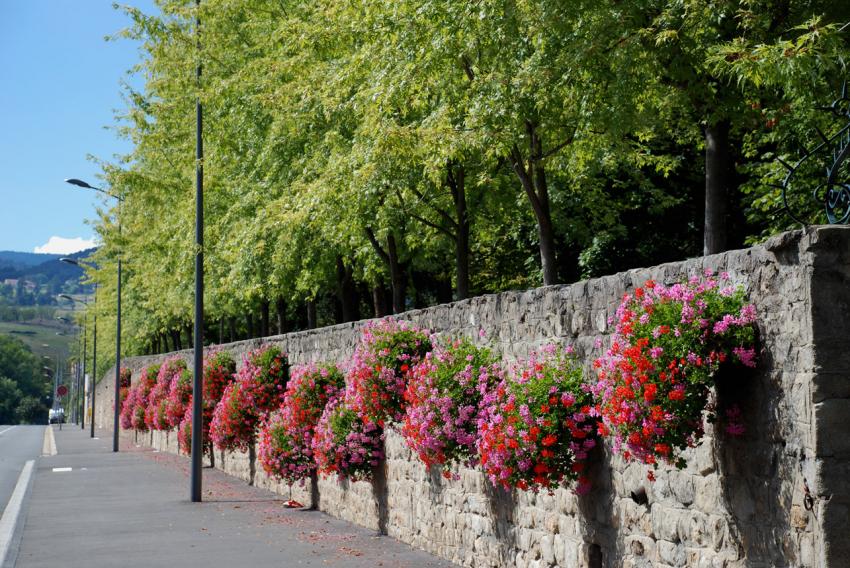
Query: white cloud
[[61, 245]]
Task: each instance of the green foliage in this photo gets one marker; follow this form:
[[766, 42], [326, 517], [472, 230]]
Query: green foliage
[[354, 147], [24, 390]]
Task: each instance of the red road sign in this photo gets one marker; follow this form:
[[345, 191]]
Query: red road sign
[[61, 390]]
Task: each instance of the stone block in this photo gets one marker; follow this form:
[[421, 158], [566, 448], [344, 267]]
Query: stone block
[[671, 553], [682, 487], [640, 546], [665, 522], [547, 549]]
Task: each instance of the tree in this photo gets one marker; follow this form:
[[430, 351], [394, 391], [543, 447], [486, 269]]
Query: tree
[[23, 388]]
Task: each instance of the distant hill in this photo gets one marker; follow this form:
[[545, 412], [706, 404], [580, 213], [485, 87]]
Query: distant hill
[[14, 259], [28, 286], [39, 267]]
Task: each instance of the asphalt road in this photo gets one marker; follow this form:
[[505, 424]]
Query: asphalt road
[[17, 445], [92, 508]]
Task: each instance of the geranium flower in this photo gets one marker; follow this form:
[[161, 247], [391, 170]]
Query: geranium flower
[[653, 385], [553, 438], [285, 448], [445, 396]]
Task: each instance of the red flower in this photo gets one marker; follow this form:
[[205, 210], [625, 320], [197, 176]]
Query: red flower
[[649, 391], [550, 440], [676, 394]]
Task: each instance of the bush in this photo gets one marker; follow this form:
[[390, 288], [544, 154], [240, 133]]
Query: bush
[[128, 405], [147, 381], [219, 368], [125, 380], [537, 427], [377, 375], [265, 372], [286, 437], [655, 379], [234, 418], [444, 402], [184, 432], [179, 397], [346, 444], [156, 413], [126, 377], [257, 390]]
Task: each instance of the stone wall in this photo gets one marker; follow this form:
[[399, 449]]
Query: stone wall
[[778, 496]]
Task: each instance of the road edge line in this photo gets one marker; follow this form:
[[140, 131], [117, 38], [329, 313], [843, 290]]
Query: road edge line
[[12, 513], [48, 445]]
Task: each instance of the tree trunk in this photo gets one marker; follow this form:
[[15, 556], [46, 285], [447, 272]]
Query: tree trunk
[[175, 339], [378, 303], [718, 167], [220, 331], [249, 323], [457, 183], [311, 314], [280, 312], [397, 276], [231, 325], [533, 180], [346, 294], [264, 318], [189, 335], [547, 250], [417, 284]]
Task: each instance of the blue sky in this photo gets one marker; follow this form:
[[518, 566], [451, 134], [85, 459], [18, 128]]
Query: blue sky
[[60, 82]]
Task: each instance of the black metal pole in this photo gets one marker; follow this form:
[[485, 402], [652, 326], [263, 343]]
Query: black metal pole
[[77, 391], [198, 368], [82, 398], [94, 363], [117, 412]]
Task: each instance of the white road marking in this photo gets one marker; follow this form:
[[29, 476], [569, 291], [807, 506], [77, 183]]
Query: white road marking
[[13, 510], [48, 445], [62, 469], [6, 430]]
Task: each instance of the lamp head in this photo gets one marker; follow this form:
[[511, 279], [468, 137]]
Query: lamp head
[[79, 183]]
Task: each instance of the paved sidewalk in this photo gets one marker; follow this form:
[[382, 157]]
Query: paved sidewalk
[[132, 509]]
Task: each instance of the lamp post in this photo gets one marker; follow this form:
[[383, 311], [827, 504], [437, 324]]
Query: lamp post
[[196, 477], [116, 427], [74, 370], [81, 372], [94, 347]]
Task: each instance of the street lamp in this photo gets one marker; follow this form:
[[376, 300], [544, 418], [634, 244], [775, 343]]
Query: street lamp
[[196, 476], [81, 370], [115, 428], [74, 371], [94, 352]]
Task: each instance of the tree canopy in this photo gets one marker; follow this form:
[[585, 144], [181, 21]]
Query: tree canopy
[[370, 156], [24, 391]]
